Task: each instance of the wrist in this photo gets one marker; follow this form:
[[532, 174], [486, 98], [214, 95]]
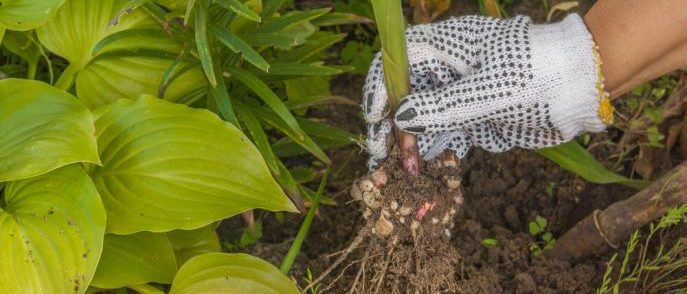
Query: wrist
[[564, 55]]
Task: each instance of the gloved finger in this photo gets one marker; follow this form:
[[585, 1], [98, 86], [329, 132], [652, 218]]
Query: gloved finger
[[433, 144], [375, 105], [468, 101], [379, 138], [489, 136]]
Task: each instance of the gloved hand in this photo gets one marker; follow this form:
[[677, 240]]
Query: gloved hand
[[492, 83]]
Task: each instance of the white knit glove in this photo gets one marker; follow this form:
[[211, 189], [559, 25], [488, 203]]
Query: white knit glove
[[492, 83]]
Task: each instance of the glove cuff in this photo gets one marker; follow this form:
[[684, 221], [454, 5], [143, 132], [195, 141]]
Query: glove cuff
[[565, 59]]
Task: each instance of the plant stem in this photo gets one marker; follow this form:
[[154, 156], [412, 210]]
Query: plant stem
[[305, 227], [391, 26], [31, 71], [66, 79]]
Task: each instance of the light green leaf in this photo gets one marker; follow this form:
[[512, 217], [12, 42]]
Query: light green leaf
[[300, 69], [20, 44], [316, 44], [302, 139], [135, 259], [340, 18], [240, 9], [230, 273], [235, 44], [574, 158], [167, 166], [23, 15], [202, 42], [189, 243], [52, 233], [41, 129], [107, 74], [325, 136]]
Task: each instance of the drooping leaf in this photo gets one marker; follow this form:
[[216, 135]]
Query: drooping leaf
[[272, 119], [52, 233], [189, 243], [230, 273], [234, 43], [316, 44], [118, 69], [135, 259], [23, 15], [167, 166], [574, 158], [284, 31], [300, 69], [41, 129], [340, 18], [240, 9], [324, 136]]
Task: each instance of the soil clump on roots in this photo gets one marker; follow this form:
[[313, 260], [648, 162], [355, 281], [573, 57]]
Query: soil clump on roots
[[409, 222]]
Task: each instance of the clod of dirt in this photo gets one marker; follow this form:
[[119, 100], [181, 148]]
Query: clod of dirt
[[408, 249]]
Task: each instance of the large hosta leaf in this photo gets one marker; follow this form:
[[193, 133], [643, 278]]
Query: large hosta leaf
[[189, 243], [41, 129], [167, 166], [131, 57], [51, 233], [230, 273], [135, 259], [22, 15]]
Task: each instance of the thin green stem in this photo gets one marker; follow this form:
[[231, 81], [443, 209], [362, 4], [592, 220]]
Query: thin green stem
[[66, 79], [31, 71], [305, 227], [145, 289]]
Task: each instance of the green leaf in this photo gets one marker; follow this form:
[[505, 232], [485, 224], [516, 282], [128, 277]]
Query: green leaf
[[534, 229], [300, 69], [340, 18], [574, 158], [202, 43], [189, 243], [23, 15], [23, 45], [41, 129], [272, 119], [240, 9], [81, 26], [135, 259], [235, 44], [230, 273], [490, 242], [52, 233], [323, 135], [267, 96], [167, 166], [255, 129], [316, 44]]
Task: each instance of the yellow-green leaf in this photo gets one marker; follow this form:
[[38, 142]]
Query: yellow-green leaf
[[167, 166], [51, 233], [189, 243], [230, 273], [41, 129], [23, 15], [135, 259], [129, 65]]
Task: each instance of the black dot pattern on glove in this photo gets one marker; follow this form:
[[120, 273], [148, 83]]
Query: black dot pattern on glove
[[500, 54]]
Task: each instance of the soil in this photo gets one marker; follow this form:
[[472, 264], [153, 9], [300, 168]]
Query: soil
[[503, 193]]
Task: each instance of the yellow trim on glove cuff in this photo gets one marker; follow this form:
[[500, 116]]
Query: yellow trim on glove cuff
[[605, 110]]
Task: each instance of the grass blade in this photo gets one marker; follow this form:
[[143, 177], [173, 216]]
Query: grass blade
[[268, 116], [317, 43], [573, 157], [300, 69], [202, 43], [220, 94], [240, 9], [340, 18], [235, 44], [267, 96]]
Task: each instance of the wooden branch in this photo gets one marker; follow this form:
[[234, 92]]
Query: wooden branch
[[603, 230]]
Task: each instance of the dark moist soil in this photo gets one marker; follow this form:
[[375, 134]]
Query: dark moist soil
[[503, 193]]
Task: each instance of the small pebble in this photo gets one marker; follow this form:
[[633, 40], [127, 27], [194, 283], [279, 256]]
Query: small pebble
[[372, 198], [405, 211], [394, 205], [383, 227], [452, 183], [366, 185], [435, 220], [379, 178]]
